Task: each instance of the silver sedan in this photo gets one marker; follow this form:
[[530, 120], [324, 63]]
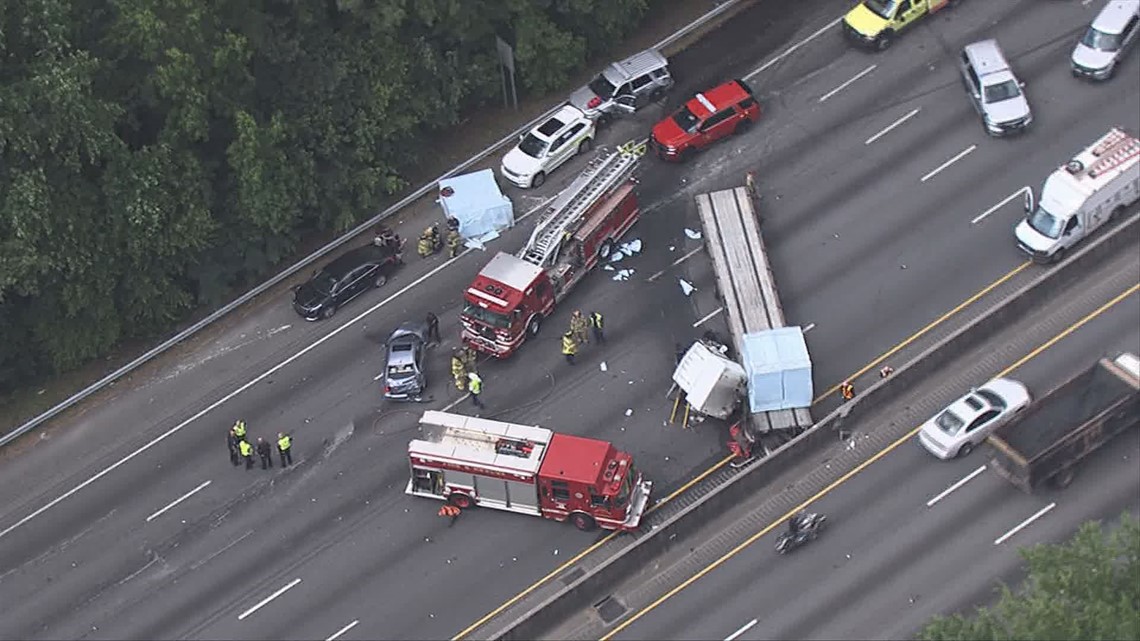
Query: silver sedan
[[965, 423]]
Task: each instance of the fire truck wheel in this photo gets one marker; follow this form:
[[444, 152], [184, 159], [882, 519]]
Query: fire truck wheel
[[582, 521], [606, 249], [461, 501], [534, 325]]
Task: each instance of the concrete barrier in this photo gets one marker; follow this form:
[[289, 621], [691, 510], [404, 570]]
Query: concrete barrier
[[600, 582]]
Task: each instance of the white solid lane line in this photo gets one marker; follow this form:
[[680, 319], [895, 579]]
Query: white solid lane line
[[1000, 205], [957, 485], [789, 50], [288, 586], [1040, 513], [675, 263], [848, 83], [961, 154], [810, 326], [216, 404], [744, 628], [177, 501], [891, 126], [708, 316], [343, 630]]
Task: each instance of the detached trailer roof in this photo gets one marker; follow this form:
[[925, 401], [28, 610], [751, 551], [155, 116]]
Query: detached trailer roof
[[1069, 406]]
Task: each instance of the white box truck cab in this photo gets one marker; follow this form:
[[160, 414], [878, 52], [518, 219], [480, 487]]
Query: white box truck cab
[[1082, 195]]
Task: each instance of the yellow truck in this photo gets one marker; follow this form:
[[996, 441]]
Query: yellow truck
[[876, 23]]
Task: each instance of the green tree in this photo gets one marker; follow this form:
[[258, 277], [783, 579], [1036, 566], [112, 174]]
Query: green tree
[[1087, 588]]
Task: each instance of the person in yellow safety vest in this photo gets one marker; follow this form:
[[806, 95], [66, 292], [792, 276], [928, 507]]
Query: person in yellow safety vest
[[458, 369], [597, 323], [475, 386], [847, 390], [246, 453], [569, 347], [578, 327], [454, 240], [239, 429], [285, 449]]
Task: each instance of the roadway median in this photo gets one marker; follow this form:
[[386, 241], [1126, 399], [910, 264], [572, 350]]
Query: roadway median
[[594, 584]]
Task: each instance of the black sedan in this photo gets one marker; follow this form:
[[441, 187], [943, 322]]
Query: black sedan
[[343, 279]]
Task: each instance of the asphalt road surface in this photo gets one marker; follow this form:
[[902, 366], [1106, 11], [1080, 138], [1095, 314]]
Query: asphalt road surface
[[864, 250], [910, 536]]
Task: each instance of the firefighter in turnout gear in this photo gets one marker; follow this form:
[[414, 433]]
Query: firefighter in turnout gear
[[470, 358], [597, 323], [454, 240], [578, 327], [569, 347], [458, 369], [232, 444], [246, 453], [429, 242]]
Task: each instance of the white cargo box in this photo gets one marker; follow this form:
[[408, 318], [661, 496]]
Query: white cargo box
[[713, 384]]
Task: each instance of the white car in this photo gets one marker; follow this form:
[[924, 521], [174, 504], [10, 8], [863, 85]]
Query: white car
[[562, 136], [958, 429], [1115, 29]]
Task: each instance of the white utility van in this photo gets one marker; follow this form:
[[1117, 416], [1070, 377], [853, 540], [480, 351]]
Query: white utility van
[[1080, 196]]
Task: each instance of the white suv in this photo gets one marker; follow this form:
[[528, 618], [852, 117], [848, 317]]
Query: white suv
[[1115, 29], [565, 134]]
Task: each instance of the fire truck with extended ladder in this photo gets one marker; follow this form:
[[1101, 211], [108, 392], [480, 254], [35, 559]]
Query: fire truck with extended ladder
[[469, 462], [511, 296]]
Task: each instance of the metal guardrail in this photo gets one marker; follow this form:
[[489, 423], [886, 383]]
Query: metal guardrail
[[322, 252]]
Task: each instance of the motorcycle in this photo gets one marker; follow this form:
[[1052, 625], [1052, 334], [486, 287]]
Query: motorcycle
[[811, 525]]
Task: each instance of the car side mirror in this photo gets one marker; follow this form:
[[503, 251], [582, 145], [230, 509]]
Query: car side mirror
[[1021, 84]]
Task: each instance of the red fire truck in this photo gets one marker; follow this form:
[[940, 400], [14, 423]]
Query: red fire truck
[[513, 294], [469, 462]]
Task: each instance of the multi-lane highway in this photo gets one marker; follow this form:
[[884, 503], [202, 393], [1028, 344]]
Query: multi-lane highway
[[125, 520], [910, 536]]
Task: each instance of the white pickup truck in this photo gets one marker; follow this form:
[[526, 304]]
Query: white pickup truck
[[1082, 195]]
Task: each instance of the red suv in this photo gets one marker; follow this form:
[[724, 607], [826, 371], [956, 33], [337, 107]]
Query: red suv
[[708, 117]]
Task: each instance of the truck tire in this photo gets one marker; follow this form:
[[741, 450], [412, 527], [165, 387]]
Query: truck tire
[[606, 249], [885, 40], [1116, 213], [534, 326], [1062, 479], [461, 501], [583, 521]]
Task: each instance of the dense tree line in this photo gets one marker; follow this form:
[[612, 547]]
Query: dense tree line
[[157, 152], [1087, 588]]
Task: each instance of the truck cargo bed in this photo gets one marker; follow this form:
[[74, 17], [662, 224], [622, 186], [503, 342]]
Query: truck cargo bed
[[1068, 406]]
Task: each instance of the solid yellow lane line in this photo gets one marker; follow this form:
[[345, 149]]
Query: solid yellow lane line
[[894, 350], [859, 468], [925, 330]]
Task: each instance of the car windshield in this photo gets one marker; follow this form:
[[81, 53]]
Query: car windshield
[[323, 282], [883, 8], [1100, 40], [626, 488], [602, 87], [995, 401], [949, 422], [1046, 223], [533, 146], [685, 120], [1002, 91], [485, 316]]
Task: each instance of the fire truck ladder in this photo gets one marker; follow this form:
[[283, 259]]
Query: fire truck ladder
[[501, 444], [1124, 150], [605, 172]]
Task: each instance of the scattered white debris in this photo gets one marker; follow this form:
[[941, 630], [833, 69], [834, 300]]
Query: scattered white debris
[[623, 274], [672, 247], [608, 268], [555, 551], [695, 235], [616, 256], [686, 286], [629, 412], [632, 247], [474, 243], [602, 366]]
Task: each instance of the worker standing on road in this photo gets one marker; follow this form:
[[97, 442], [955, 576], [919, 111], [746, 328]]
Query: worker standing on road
[[454, 240], [847, 390], [750, 185], [475, 386], [597, 323], [265, 453], [569, 347], [578, 326], [285, 448], [239, 429], [433, 329], [470, 358], [450, 511], [246, 453], [232, 444], [458, 369]]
